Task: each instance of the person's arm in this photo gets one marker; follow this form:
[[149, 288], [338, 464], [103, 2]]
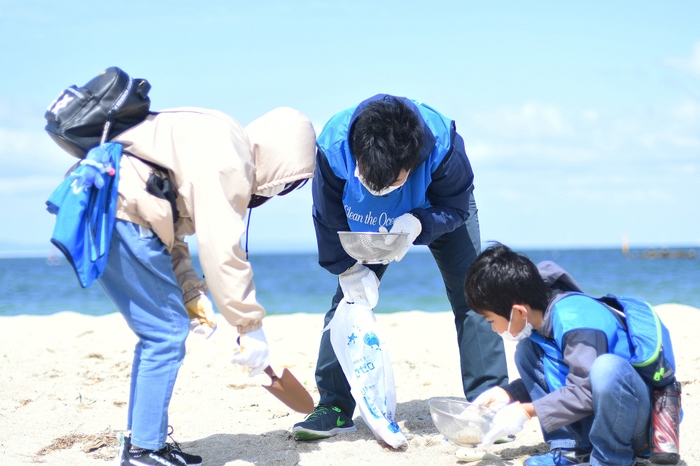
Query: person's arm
[[449, 193], [190, 282], [517, 392], [573, 401], [329, 217]]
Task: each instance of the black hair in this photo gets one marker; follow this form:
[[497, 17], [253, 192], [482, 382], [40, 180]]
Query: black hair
[[500, 278], [385, 138]]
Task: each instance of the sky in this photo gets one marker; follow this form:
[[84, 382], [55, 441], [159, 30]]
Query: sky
[[581, 120]]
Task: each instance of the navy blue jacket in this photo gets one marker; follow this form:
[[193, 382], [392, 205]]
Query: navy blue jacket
[[437, 190]]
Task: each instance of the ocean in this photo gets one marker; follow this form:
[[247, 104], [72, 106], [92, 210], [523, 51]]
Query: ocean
[[291, 283]]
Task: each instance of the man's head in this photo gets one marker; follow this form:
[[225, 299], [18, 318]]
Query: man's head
[[500, 278], [385, 141]]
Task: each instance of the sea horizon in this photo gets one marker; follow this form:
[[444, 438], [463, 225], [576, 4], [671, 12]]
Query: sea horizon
[[20, 253], [293, 282]]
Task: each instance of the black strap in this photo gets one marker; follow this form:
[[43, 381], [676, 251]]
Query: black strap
[[161, 188]]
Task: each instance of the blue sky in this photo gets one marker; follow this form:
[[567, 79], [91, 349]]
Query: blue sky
[[582, 120]]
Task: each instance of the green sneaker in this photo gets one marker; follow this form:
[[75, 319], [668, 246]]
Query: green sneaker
[[324, 422]]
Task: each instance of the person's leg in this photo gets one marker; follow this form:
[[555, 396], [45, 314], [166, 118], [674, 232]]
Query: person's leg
[[333, 415], [621, 411], [140, 281], [528, 360], [333, 387], [570, 441], [481, 352]]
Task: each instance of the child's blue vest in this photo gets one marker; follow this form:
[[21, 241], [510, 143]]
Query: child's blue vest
[[632, 328]]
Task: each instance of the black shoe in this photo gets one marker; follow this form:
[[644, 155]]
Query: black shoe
[[559, 457], [182, 458], [190, 460], [324, 422], [166, 456]]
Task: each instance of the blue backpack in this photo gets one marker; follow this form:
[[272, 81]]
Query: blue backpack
[[652, 352], [85, 219], [650, 340]]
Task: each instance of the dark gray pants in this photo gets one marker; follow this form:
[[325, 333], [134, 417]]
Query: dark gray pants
[[481, 352]]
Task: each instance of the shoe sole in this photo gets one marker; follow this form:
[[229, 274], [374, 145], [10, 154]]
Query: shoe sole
[[307, 434], [507, 439]]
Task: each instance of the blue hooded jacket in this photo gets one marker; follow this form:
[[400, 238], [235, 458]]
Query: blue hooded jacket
[[437, 190]]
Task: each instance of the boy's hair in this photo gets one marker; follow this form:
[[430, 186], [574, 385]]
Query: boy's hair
[[500, 278], [385, 138]]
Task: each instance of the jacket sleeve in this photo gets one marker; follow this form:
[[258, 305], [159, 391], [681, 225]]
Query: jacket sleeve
[[188, 279], [574, 400], [220, 171], [329, 217], [449, 192]]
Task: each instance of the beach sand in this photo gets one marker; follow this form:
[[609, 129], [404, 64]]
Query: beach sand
[[65, 382]]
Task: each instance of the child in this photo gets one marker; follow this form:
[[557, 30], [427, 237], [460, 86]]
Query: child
[[573, 358]]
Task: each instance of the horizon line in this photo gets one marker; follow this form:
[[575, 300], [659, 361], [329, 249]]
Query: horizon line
[[45, 253]]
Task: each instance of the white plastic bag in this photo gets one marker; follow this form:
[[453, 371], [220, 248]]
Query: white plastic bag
[[365, 361]]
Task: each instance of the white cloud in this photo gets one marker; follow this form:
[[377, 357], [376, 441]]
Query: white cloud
[[689, 64], [676, 140], [590, 115], [528, 153], [532, 119], [30, 184], [25, 151], [688, 111]]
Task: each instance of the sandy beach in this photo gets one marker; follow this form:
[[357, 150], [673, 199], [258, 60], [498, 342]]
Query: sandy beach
[[65, 383]]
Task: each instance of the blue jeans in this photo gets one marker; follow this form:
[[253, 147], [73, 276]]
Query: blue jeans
[[140, 281], [482, 356], [618, 428]]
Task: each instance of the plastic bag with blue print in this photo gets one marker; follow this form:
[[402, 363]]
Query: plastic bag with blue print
[[364, 357]]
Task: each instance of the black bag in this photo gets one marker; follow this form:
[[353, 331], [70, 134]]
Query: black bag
[[84, 117]]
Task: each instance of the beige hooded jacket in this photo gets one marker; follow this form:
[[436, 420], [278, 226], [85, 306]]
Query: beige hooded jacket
[[215, 165]]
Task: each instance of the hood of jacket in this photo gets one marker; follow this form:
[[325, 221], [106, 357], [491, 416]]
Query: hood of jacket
[[283, 143]]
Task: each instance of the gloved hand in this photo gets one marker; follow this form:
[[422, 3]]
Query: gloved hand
[[201, 311], [495, 398], [360, 285], [509, 420], [96, 162], [252, 351], [406, 223]]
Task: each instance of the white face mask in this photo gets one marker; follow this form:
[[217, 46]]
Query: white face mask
[[524, 333], [383, 192]]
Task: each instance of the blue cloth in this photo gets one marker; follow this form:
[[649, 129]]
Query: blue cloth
[[481, 352], [140, 281], [438, 190], [85, 214], [616, 430], [576, 312]]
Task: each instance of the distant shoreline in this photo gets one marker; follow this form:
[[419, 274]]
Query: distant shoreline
[[655, 251]]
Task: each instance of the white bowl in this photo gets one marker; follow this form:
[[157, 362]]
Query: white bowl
[[462, 422], [371, 247]]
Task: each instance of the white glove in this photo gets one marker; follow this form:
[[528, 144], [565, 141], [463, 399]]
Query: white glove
[[360, 285], [252, 351], [406, 223], [494, 398], [201, 311], [509, 420]]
